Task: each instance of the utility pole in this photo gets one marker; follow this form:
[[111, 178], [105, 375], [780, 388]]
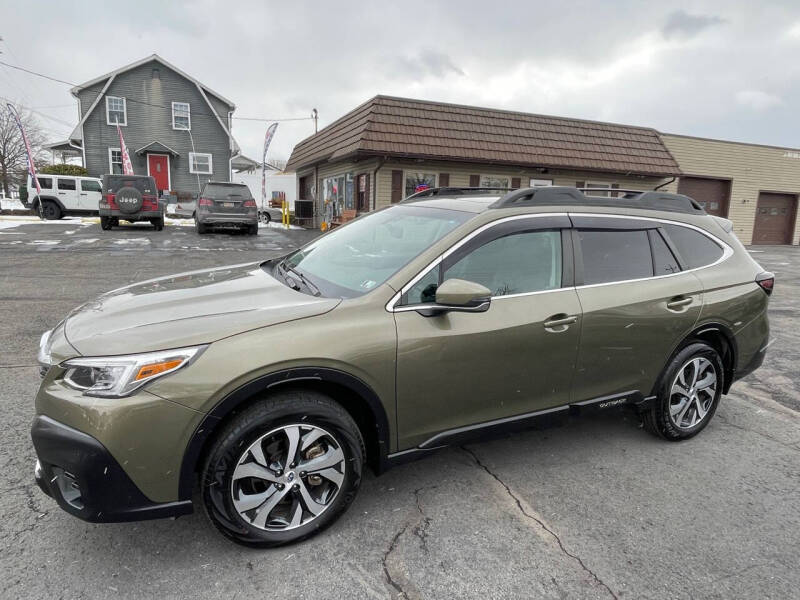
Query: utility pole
[[315, 116]]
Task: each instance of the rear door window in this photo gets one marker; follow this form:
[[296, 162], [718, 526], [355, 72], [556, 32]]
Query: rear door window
[[66, 184], [695, 248], [615, 255]]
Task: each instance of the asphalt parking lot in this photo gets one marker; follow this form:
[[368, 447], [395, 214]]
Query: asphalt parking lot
[[589, 508]]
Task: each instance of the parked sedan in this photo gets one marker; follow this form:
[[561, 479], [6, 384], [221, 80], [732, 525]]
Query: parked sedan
[[223, 204]]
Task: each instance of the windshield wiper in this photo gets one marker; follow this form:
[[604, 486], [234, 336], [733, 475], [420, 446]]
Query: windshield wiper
[[304, 280]]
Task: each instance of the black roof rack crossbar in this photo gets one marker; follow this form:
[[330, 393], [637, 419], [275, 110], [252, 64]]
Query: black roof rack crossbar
[[570, 196], [453, 191]]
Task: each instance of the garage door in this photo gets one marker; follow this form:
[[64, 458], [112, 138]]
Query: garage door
[[712, 194], [775, 215]]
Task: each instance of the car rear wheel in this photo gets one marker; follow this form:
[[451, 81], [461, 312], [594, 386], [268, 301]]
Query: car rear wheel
[[158, 224], [283, 469], [50, 210], [688, 394], [106, 223], [199, 227], [265, 217], [252, 229]]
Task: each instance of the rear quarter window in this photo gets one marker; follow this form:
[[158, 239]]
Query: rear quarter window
[[695, 248]]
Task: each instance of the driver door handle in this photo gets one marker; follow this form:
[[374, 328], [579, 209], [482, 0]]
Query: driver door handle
[[561, 322]]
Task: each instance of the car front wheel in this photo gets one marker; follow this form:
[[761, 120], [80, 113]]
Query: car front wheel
[[283, 469], [688, 393], [50, 210]]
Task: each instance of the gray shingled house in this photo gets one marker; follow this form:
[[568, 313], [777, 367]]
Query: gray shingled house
[[176, 129], [388, 148]]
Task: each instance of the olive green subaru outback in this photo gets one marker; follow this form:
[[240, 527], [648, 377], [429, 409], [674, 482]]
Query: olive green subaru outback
[[452, 315]]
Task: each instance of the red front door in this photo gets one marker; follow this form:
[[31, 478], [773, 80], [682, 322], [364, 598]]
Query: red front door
[[158, 167]]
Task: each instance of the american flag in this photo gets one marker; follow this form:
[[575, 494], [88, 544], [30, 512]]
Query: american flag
[[31, 166], [127, 167]]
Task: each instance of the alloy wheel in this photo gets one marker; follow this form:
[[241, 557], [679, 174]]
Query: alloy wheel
[[692, 393], [288, 477]]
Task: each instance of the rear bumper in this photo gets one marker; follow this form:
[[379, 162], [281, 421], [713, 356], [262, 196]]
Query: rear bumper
[[137, 216], [227, 219], [79, 473], [753, 364]]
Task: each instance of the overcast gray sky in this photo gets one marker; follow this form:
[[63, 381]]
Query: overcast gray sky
[[720, 69]]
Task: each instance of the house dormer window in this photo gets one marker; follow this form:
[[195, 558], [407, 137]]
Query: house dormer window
[[181, 116], [116, 111]]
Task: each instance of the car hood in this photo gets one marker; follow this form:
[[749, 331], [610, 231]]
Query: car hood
[[187, 309]]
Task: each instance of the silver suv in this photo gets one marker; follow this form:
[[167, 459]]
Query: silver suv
[[223, 204]]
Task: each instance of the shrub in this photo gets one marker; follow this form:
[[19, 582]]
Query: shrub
[[63, 169]]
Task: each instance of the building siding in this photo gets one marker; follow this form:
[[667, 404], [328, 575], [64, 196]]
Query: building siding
[[751, 169], [149, 115]]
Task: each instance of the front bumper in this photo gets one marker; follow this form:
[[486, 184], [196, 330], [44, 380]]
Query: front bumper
[[79, 473]]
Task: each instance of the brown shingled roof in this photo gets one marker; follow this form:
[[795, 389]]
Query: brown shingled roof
[[401, 127]]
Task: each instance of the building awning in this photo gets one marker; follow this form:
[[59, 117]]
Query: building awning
[[64, 147], [242, 163], [156, 148]]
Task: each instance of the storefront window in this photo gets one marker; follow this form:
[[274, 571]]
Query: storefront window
[[337, 195], [492, 181], [416, 182]]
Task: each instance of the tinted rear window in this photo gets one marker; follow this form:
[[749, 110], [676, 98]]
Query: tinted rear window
[[219, 191], [615, 255], [696, 249], [66, 184], [44, 182]]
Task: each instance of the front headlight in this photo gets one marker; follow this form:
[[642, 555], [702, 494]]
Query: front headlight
[[43, 357], [118, 376]]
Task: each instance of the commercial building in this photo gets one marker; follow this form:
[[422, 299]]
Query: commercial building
[[754, 186], [389, 147]]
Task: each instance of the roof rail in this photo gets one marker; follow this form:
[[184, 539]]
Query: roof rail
[[453, 191], [570, 196]]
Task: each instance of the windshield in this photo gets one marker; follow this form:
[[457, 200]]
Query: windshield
[[353, 260]]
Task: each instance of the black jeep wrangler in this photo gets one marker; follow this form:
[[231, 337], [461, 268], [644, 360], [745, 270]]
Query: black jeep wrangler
[[130, 198]]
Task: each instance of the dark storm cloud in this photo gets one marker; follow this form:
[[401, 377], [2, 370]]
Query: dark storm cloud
[[682, 24], [426, 62]]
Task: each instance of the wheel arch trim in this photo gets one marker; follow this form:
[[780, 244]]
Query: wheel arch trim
[[205, 430], [697, 333]]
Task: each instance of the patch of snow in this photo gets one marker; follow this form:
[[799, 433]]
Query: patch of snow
[[11, 204], [43, 242]]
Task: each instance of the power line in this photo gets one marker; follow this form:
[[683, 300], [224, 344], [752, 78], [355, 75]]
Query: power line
[[161, 106]]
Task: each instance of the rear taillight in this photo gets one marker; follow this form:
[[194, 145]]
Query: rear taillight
[[205, 202], [766, 280], [250, 203]]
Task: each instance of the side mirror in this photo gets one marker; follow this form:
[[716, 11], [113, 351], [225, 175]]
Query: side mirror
[[458, 295]]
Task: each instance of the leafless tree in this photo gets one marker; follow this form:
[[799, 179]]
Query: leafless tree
[[13, 158]]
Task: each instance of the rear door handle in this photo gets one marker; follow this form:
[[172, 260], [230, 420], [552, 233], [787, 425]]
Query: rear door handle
[[561, 322], [678, 303]]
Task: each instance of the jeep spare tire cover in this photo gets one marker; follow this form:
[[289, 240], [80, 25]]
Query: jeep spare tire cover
[[129, 200]]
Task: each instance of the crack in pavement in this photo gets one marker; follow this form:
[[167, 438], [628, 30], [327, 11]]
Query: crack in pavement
[[420, 530], [541, 524]]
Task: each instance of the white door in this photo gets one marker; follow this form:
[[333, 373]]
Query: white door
[[67, 193], [90, 194]]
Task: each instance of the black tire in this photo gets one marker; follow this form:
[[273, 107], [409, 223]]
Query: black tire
[[106, 223], [266, 217], [657, 419], [51, 211], [158, 224], [199, 227], [252, 229], [304, 407]]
